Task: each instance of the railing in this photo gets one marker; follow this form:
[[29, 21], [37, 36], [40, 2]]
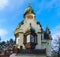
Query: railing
[[29, 51]]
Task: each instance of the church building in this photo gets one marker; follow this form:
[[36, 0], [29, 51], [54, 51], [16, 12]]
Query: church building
[[30, 37]]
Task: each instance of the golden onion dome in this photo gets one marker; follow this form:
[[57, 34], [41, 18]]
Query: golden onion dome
[[28, 10]]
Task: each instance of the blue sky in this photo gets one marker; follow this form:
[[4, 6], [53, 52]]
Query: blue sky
[[11, 13]]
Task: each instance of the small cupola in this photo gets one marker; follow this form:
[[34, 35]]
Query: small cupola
[[47, 34], [47, 30]]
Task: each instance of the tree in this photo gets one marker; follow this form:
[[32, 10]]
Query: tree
[[55, 45], [3, 43], [7, 44], [11, 41], [0, 38], [59, 48]]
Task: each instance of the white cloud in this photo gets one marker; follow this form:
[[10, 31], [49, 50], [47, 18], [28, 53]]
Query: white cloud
[[11, 5], [55, 44], [3, 32], [3, 4], [56, 32], [55, 35]]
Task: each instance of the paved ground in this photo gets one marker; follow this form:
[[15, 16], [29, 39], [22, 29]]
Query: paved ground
[[3, 56], [13, 55], [26, 55]]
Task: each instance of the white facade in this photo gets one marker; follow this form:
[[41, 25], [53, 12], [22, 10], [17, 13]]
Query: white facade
[[30, 21]]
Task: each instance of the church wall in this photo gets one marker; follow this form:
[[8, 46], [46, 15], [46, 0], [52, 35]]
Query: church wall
[[48, 48], [33, 24], [38, 46], [42, 36], [46, 44], [19, 40], [43, 45]]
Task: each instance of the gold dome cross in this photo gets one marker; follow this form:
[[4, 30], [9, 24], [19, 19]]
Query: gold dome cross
[[29, 3]]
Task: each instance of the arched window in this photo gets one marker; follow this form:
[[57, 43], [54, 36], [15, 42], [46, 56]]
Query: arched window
[[28, 38], [32, 38]]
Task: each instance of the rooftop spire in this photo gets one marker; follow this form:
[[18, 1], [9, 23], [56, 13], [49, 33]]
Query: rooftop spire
[[29, 3], [47, 28], [46, 23]]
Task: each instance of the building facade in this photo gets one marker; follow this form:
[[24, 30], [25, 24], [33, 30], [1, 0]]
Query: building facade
[[29, 35]]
